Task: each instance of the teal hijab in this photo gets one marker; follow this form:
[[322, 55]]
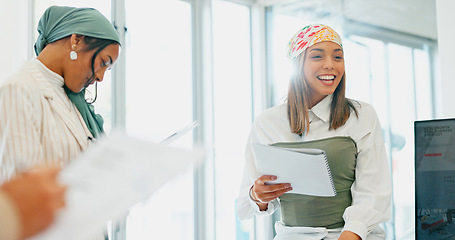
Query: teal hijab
[[93, 121], [59, 22]]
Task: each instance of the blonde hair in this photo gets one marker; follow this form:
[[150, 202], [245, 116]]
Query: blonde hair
[[298, 100]]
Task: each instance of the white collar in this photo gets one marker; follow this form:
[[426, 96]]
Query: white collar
[[54, 79], [322, 109]]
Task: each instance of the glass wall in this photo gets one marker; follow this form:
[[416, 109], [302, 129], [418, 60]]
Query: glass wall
[[16, 48], [284, 27], [159, 88], [232, 111]]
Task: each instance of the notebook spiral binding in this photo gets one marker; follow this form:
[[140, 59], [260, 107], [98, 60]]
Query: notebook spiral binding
[[330, 173]]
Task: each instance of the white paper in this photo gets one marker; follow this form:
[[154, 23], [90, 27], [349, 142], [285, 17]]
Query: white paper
[[308, 173], [115, 173]]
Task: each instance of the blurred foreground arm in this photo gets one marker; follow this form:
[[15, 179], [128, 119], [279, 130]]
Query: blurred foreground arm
[[28, 203]]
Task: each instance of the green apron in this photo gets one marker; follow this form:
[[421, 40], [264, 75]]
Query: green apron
[[310, 211]]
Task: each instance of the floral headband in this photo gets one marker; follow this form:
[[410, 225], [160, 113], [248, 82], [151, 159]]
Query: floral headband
[[310, 35]]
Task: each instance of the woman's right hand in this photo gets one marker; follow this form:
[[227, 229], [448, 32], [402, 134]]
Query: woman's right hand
[[264, 193]]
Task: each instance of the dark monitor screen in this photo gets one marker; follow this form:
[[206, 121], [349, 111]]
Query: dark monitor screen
[[434, 179]]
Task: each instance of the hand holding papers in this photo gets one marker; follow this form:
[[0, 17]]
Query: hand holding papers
[[111, 176], [307, 170]]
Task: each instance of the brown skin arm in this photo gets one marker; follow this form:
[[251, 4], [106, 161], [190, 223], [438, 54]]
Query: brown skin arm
[[37, 197], [266, 193], [348, 235]]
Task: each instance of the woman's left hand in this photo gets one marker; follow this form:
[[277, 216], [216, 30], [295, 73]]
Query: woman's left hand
[[348, 235]]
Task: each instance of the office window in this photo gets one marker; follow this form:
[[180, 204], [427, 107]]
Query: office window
[[158, 103], [404, 108], [15, 49], [391, 76], [358, 77], [284, 27], [422, 74], [232, 111]]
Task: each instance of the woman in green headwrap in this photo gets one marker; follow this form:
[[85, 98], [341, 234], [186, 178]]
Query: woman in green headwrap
[[44, 118]]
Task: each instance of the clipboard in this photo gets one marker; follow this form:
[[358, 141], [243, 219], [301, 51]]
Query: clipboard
[[180, 133], [307, 170]]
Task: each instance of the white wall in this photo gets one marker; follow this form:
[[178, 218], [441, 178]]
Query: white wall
[[416, 17], [446, 46], [14, 41]]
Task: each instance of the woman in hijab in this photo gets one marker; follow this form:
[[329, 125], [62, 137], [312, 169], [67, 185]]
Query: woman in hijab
[[318, 115], [44, 118]]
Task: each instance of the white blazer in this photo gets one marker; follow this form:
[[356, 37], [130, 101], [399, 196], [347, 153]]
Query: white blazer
[[38, 123]]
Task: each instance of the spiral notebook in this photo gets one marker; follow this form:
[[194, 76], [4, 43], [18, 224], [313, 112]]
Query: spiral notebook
[[307, 170]]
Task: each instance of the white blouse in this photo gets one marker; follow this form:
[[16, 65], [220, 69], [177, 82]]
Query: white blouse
[[371, 190]]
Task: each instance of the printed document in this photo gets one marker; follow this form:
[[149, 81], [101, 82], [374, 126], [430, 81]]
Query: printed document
[[112, 175]]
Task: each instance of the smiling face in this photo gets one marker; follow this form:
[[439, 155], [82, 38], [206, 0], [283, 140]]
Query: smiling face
[[323, 69], [78, 74]]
